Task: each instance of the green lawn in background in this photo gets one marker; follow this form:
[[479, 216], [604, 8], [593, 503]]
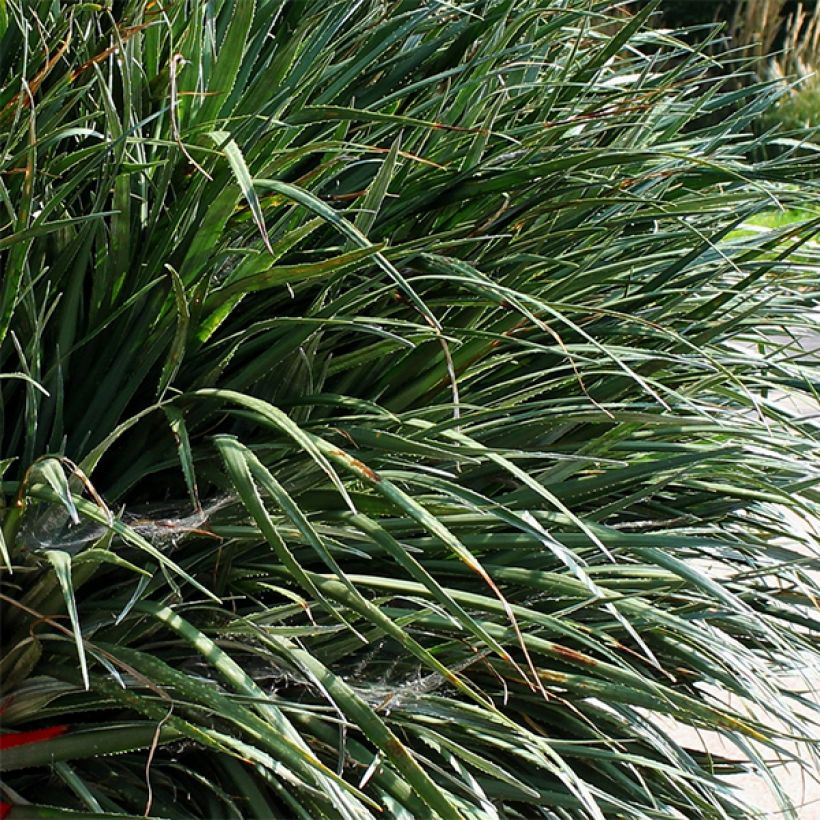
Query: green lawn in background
[[782, 219]]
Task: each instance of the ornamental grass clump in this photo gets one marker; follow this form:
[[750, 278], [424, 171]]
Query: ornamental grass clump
[[395, 421], [785, 41]]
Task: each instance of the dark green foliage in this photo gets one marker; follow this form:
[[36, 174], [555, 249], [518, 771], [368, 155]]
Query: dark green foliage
[[692, 12], [394, 422]]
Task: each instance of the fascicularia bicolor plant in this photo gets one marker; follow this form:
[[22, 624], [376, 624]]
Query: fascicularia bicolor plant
[[396, 418]]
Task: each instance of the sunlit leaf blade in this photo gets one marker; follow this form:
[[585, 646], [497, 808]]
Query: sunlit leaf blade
[[61, 561]]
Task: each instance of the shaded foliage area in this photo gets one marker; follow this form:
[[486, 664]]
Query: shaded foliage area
[[691, 12], [392, 416]]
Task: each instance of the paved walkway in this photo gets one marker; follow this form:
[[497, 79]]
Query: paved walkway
[[800, 783]]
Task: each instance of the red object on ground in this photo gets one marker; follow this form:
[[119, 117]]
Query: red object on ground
[[21, 738], [34, 736]]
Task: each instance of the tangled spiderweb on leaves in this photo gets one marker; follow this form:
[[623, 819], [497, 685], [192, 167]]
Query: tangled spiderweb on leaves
[[52, 527]]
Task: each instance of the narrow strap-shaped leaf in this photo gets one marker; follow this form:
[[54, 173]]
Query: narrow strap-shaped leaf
[[282, 422], [61, 561], [417, 571], [373, 727], [348, 230], [35, 811], [238, 461], [372, 202], [290, 275], [237, 677], [177, 349], [382, 485], [243, 176], [51, 471], [229, 55], [176, 419], [84, 742], [291, 751]]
